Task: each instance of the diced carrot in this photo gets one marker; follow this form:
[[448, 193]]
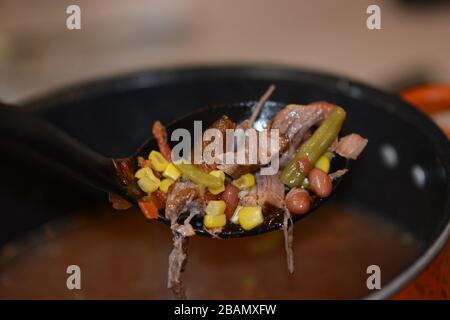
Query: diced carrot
[[160, 134], [159, 198], [148, 208]]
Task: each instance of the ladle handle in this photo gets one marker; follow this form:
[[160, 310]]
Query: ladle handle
[[24, 133]]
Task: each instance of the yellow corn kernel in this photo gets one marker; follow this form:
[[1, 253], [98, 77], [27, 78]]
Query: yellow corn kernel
[[143, 172], [250, 217], [157, 160], [148, 184], [216, 191], [219, 174], [214, 221], [323, 164], [245, 181], [147, 181], [215, 207], [171, 172], [165, 184]]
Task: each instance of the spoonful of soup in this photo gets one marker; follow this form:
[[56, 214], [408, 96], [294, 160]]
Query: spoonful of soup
[[293, 163]]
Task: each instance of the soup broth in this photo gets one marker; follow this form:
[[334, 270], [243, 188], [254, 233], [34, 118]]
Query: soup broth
[[124, 256]]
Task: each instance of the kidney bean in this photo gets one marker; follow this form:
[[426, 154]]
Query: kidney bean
[[298, 201], [231, 198], [320, 183]]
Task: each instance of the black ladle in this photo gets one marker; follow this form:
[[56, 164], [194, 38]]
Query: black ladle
[[27, 134]]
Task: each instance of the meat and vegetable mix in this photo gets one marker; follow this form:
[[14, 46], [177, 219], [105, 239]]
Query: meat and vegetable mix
[[239, 195]]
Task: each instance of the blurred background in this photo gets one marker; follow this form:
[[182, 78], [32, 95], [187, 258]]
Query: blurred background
[[38, 53]]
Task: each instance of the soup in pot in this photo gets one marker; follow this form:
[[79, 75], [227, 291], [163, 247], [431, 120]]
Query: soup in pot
[[124, 256]]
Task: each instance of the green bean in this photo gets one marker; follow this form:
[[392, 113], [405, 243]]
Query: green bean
[[199, 176], [314, 147]]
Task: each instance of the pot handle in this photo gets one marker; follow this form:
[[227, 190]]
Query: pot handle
[[433, 282], [430, 98]]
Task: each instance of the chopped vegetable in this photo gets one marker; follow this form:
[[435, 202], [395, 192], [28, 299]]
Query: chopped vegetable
[[198, 176], [143, 172], [148, 208], [219, 174], [148, 185], [171, 172], [314, 147], [323, 164], [158, 198], [160, 134], [215, 207], [245, 181], [165, 184], [250, 217], [147, 180], [214, 221], [157, 161]]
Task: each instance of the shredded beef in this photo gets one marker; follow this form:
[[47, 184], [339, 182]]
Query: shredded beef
[[350, 146], [182, 193], [177, 263], [184, 196], [288, 232], [270, 193], [337, 174]]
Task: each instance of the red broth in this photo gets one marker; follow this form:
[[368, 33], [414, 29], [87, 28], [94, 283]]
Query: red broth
[[124, 256]]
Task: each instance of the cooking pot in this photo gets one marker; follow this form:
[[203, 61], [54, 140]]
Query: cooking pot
[[403, 175]]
